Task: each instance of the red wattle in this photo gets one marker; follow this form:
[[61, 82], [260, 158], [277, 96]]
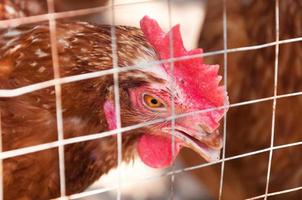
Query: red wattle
[[156, 151]]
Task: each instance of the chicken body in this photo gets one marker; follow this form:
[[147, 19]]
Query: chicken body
[[30, 119]]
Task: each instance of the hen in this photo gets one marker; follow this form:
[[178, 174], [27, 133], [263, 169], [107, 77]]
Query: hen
[[251, 76], [88, 105]]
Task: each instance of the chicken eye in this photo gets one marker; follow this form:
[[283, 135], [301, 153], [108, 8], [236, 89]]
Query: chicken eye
[[152, 102]]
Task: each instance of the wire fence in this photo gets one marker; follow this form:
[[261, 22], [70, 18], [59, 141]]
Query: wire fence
[[52, 16]]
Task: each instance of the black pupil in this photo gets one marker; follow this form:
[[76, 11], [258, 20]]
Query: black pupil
[[154, 101]]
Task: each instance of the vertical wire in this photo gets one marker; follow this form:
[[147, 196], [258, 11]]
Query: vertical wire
[[58, 93], [1, 161], [275, 98], [172, 85], [116, 101], [225, 96]]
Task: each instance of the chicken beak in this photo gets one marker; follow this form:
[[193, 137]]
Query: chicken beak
[[206, 145]]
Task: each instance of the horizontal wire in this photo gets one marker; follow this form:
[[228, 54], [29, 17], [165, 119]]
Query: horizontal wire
[[252, 47], [91, 192], [277, 193], [69, 79], [40, 147]]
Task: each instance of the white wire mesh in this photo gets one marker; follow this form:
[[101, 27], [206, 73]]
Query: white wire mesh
[[58, 93], [172, 99], [52, 16], [225, 72], [274, 100]]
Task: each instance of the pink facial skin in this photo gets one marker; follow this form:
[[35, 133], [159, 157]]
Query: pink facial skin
[[110, 114], [136, 97], [155, 148]]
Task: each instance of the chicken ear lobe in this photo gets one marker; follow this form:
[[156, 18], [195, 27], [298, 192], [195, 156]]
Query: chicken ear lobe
[[109, 111]]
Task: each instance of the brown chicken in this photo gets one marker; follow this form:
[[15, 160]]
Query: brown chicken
[[251, 76], [88, 106]]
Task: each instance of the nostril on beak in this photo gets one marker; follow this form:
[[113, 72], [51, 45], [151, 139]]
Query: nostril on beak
[[204, 129]]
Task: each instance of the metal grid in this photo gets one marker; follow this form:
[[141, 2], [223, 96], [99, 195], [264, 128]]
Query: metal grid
[[58, 81]]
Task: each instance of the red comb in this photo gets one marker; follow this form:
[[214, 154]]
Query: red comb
[[199, 81]]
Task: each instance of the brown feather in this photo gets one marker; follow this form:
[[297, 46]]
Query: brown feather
[[30, 119]]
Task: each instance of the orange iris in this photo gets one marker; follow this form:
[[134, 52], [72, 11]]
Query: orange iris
[[153, 102]]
